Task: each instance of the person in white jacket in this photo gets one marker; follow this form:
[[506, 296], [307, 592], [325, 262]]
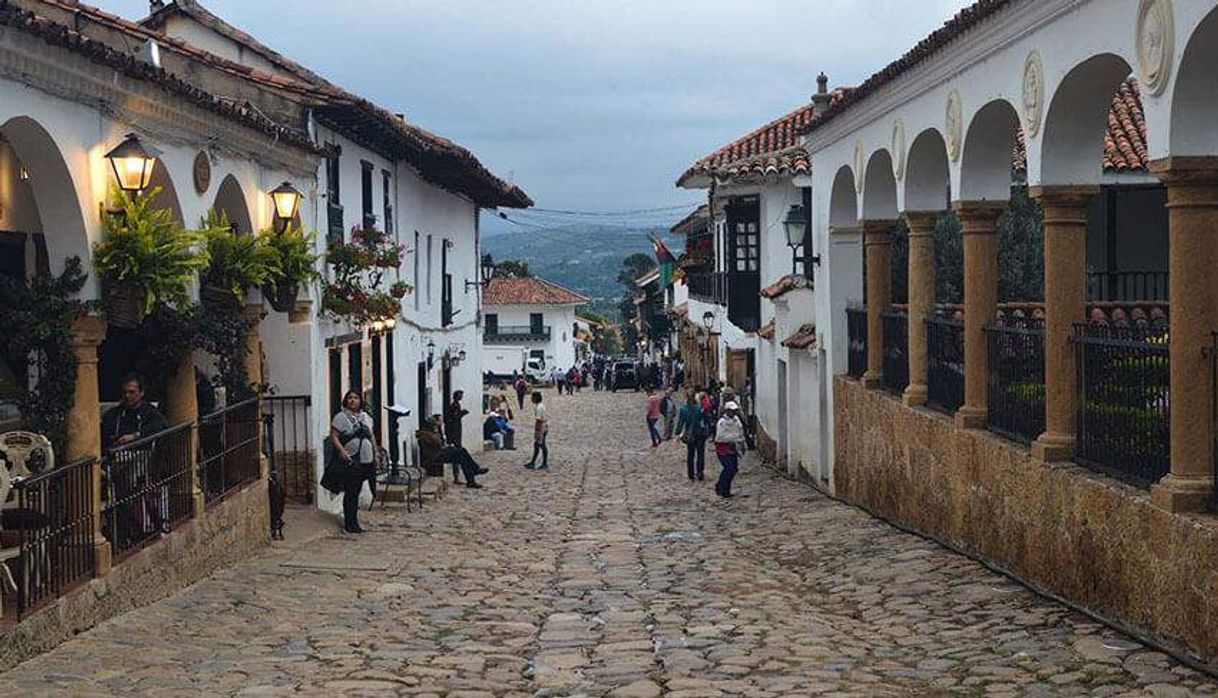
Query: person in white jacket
[[729, 444]]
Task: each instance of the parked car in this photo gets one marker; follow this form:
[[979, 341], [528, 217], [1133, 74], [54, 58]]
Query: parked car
[[624, 375]]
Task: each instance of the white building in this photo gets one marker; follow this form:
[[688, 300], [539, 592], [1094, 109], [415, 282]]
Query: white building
[[534, 315]]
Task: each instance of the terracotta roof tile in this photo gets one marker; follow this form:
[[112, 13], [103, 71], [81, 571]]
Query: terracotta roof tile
[[693, 222], [529, 291], [785, 285], [767, 330], [803, 338], [1125, 140]]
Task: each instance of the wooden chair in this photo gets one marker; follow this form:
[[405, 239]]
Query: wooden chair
[[7, 583]]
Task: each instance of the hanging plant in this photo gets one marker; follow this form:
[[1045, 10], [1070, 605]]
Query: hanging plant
[[35, 338], [357, 292], [235, 262], [295, 265], [145, 257]]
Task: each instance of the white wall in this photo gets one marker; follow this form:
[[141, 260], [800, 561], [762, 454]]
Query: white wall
[[560, 349]]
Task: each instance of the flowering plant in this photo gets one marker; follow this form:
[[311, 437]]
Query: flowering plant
[[359, 266]]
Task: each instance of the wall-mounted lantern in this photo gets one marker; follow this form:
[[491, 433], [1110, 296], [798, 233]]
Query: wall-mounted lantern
[[133, 162], [487, 268], [287, 202]]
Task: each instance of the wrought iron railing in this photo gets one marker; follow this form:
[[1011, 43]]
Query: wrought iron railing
[[944, 363], [516, 333], [896, 352], [229, 449], [1127, 286], [856, 351], [1016, 381], [1124, 391], [289, 444], [51, 525], [148, 488]]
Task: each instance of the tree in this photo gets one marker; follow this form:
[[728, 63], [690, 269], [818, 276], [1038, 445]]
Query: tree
[[513, 269]]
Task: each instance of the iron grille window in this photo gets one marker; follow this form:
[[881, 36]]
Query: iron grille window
[[334, 206], [1015, 402], [446, 286], [387, 198], [369, 217]]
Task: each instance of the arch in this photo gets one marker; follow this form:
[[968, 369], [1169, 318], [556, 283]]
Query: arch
[[927, 177], [167, 197], [879, 187], [54, 193], [987, 157], [1072, 147], [843, 201], [1194, 116], [231, 201]]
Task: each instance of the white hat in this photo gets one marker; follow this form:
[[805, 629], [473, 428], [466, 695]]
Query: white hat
[[731, 406]]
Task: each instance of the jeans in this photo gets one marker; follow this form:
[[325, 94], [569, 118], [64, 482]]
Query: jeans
[[651, 428], [497, 437], [540, 447], [729, 461], [695, 457], [351, 490], [461, 460]]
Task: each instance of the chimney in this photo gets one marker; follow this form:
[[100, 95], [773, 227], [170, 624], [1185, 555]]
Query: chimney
[[821, 98], [155, 5]]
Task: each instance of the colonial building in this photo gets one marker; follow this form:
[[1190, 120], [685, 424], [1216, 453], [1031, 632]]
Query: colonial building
[[533, 315]]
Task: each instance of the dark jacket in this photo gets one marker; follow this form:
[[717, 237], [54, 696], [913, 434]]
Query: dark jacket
[[141, 420], [430, 445], [452, 422], [490, 426]]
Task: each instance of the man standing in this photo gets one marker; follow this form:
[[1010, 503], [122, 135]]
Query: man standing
[[522, 388], [453, 414], [541, 428], [133, 418]]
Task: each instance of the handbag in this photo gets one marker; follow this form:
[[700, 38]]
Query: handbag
[[333, 477]]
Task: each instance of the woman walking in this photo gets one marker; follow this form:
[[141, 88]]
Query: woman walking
[[351, 433], [729, 444], [668, 406], [653, 416], [693, 426]]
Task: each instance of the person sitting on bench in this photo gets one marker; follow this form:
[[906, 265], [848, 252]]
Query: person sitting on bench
[[433, 450]]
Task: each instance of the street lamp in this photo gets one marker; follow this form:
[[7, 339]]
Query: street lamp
[[796, 226], [708, 320], [132, 162], [287, 201], [487, 268]]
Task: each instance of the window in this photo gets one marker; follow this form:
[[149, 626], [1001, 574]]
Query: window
[[366, 191], [387, 198], [805, 262], [428, 270], [334, 206], [418, 288], [355, 367], [446, 286], [492, 323], [536, 323]]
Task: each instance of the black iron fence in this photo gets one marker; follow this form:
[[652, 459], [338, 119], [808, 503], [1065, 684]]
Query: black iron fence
[[856, 331], [50, 524], [1124, 389], [229, 449], [896, 352], [1126, 286], [289, 443], [1016, 381], [944, 363], [148, 488]]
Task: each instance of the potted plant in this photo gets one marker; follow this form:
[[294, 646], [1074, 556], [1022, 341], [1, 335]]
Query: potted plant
[[359, 291], [144, 257], [236, 262], [296, 265]]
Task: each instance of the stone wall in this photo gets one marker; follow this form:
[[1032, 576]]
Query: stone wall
[[230, 532], [1090, 539]]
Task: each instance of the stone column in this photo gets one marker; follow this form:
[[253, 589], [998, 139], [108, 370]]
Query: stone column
[[182, 403], [979, 220], [877, 246], [1192, 203], [1065, 304], [253, 371], [84, 422], [921, 300]]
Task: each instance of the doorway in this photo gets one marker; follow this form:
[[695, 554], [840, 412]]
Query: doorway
[[783, 417]]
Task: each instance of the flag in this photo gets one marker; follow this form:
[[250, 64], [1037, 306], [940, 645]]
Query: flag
[[666, 260]]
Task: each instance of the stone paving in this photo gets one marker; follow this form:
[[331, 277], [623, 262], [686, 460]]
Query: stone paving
[[609, 575]]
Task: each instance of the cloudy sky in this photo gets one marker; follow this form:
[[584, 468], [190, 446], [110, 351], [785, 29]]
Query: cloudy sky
[[587, 104]]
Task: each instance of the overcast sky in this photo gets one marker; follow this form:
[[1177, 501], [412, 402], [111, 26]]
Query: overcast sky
[[587, 104]]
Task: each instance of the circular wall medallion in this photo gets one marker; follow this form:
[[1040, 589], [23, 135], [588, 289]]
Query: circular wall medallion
[[953, 123], [1155, 43], [859, 175], [1033, 94], [202, 172], [898, 150]]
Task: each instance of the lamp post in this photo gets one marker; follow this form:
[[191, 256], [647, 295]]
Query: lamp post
[[287, 202], [132, 162], [487, 270]]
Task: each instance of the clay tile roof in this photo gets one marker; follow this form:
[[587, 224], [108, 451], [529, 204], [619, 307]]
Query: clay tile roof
[[1125, 140], [803, 338], [767, 330], [785, 285], [773, 149], [693, 222], [529, 291]]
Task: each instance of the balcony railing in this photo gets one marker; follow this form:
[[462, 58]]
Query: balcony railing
[[289, 442], [1127, 286], [1016, 382], [708, 287], [856, 351], [229, 449], [896, 352], [1124, 379], [516, 333], [149, 488], [53, 531], [944, 363]]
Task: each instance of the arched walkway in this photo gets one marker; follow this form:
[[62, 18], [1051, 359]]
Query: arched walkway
[[843, 200], [985, 170], [927, 179], [1072, 148], [231, 201], [1194, 119]]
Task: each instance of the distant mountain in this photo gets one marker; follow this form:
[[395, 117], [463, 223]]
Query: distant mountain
[[584, 258]]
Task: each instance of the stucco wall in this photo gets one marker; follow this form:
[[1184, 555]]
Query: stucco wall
[[1091, 539]]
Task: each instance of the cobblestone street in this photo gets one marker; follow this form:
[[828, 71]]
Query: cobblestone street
[[611, 574]]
